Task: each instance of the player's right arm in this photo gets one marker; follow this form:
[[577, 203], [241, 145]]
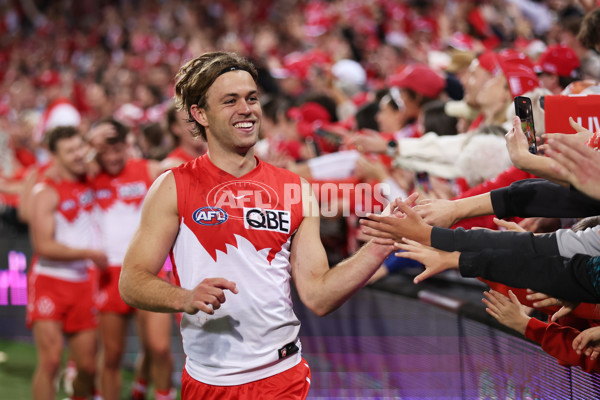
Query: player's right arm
[[24, 207], [139, 286], [44, 202]]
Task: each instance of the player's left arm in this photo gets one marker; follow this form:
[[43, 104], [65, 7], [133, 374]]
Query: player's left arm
[[321, 288]]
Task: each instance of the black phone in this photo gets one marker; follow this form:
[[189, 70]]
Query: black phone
[[524, 111], [330, 136], [422, 181]]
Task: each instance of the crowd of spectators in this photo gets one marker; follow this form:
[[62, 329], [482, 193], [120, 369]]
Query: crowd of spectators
[[414, 94]]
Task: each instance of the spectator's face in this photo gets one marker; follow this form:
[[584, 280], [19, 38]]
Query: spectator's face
[[412, 107], [386, 60], [112, 157], [233, 113], [70, 154], [388, 118], [550, 82], [475, 78], [493, 93], [96, 96], [52, 92], [144, 96]]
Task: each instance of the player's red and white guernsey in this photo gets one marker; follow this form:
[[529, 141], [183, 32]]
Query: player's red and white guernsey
[[120, 201], [239, 229], [74, 227]]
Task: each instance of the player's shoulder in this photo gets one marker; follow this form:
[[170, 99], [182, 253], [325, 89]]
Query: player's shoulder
[[165, 179], [46, 191], [188, 167]]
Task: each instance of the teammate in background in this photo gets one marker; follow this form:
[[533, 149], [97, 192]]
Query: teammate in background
[[60, 290], [247, 347], [120, 188], [188, 146]]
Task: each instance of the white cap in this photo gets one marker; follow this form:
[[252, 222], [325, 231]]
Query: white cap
[[349, 71]]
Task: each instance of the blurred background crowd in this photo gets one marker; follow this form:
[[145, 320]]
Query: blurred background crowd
[[340, 81], [414, 94]]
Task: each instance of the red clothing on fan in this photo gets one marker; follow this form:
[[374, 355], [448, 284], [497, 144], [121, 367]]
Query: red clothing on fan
[[508, 176], [557, 341]]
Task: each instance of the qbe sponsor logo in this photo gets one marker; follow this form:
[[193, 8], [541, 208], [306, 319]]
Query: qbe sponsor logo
[[267, 220]]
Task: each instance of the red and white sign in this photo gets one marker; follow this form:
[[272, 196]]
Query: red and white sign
[[585, 110]]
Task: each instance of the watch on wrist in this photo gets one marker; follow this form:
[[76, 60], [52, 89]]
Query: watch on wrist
[[392, 148]]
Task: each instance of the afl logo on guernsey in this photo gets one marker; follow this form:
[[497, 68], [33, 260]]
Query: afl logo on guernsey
[[210, 216]]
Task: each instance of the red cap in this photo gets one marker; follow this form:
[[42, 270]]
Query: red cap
[[423, 24], [4, 109], [319, 18], [420, 78], [488, 60], [309, 116], [48, 78], [298, 64], [461, 41], [518, 70], [516, 57], [558, 60], [361, 98], [520, 78]]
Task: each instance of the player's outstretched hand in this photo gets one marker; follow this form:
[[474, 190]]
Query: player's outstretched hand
[[209, 295], [434, 260]]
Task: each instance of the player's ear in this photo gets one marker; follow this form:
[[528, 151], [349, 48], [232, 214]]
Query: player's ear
[[199, 114]]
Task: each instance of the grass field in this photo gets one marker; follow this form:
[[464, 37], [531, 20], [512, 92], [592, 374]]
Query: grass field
[[17, 362]]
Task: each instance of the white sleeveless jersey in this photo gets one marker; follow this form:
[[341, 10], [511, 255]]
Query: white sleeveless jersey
[[237, 229], [74, 226], [119, 200]]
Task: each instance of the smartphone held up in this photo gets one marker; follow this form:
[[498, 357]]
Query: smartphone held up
[[524, 111]]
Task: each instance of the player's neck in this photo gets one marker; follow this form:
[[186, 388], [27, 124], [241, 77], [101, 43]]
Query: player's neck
[[234, 163], [66, 174]]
